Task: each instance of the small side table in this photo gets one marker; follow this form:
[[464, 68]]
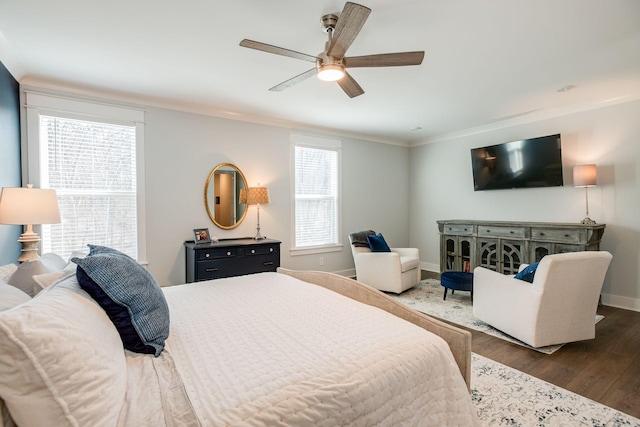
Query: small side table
[[456, 281]]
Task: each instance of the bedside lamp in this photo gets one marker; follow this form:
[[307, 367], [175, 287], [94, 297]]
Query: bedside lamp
[[258, 196], [585, 176], [28, 206]]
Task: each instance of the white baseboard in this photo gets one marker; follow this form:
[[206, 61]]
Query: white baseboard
[[621, 302], [430, 267]]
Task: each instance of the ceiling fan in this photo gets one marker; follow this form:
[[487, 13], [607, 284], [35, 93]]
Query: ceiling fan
[[331, 64]]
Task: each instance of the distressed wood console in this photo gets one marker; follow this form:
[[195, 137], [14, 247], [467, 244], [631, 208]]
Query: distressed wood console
[[504, 245]]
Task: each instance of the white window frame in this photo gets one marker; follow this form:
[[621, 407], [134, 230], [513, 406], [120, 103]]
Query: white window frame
[[297, 139], [38, 104]]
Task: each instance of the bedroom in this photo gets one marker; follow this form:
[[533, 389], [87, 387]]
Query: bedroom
[[400, 190]]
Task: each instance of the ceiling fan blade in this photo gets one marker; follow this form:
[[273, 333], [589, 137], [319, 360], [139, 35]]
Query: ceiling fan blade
[[277, 50], [297, 79], [385, 60], [350, 86], [349, 24]]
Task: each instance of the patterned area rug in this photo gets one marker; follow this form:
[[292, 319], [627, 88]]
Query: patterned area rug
[[457, 308], [504, 396]]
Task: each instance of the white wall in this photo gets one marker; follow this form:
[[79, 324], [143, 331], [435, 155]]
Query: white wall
[[442, 188], [182, 148]]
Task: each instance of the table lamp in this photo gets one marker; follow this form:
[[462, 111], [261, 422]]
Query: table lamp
[[28, 206], [585, 176], [258, 196]]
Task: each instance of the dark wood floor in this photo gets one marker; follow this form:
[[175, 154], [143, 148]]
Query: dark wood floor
[[605, 369]]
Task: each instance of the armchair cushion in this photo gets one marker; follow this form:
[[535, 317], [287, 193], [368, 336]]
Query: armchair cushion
[[408, 263], [528, 273], [377, 243]]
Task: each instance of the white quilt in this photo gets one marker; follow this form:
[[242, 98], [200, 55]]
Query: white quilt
[[270, 350]]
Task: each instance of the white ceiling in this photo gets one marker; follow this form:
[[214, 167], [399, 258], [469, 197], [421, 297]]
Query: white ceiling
[[486, 61]]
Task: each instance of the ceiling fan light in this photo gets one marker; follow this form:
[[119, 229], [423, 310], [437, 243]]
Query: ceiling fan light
[[330, 72]]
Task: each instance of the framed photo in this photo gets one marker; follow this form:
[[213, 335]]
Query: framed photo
[[201, 235]]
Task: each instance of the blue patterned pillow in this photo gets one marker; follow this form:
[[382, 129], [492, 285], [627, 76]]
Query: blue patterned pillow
[[528, 273], [129, 295], [377, 243]]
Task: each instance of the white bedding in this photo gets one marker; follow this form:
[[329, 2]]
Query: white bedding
[[259, 350], [268, 349]]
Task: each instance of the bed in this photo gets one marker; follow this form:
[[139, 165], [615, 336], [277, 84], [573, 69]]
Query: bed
[[287, 348]]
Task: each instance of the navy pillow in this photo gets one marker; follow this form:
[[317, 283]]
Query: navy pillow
[[528, 272], [129, 295], [377, 243]]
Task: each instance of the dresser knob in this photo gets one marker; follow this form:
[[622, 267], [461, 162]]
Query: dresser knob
[[253, 251], [206, 256], [228, 253], [270, 249]]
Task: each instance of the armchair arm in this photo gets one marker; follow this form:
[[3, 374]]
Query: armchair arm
[[408, 252]]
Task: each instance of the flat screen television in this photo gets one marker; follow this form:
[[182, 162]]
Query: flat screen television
[[529, 163]]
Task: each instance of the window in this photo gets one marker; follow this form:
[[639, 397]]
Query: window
[[90, 158], [316, 163]]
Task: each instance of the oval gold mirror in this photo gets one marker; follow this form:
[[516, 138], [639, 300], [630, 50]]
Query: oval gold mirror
[[222, 196]]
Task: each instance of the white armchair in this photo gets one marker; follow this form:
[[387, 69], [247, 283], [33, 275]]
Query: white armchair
[[394, 271], [558, 307]]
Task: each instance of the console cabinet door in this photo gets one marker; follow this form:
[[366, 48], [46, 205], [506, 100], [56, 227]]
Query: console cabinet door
[[501, 255], [459, 253]]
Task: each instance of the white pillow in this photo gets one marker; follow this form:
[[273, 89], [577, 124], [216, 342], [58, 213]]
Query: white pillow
[[10, 296], [6, 271], [42, 281], [61, 360], [23, 277]]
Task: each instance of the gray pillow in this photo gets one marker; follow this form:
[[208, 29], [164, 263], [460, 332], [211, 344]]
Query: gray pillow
[[23, 276], [129, 295], [359, 238]]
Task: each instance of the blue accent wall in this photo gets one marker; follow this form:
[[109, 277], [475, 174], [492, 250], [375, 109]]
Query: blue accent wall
[[10, 174]]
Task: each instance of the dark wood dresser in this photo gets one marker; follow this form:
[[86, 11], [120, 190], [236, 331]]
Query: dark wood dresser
[[230, 257]]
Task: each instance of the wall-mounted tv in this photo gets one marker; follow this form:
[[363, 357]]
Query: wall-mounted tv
[[529, 163]]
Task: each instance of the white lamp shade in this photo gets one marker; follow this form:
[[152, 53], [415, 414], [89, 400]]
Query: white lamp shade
[[584, 176], [257, 195], [21, 206]]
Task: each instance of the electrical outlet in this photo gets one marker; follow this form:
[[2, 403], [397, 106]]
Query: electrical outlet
[[321, 261]]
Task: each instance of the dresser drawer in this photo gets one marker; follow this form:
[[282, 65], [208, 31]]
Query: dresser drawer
[[261, 263], [261, 250], [216, 269], [499, 231], [458, 229], [556, 235], [206, 254]]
